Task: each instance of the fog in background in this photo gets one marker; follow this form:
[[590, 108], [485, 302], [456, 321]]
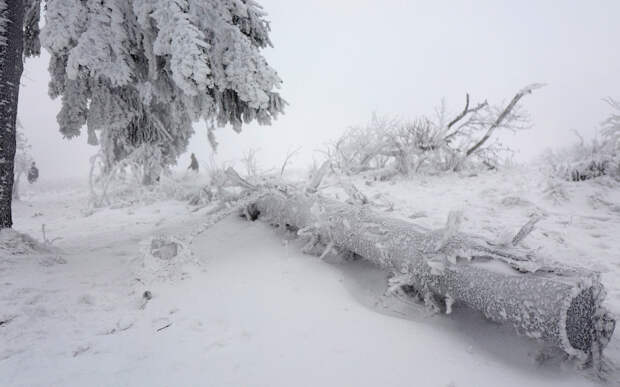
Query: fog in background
[[343, 60]]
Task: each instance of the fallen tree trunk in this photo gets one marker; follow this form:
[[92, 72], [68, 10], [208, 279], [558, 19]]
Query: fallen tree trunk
[[559, 306]]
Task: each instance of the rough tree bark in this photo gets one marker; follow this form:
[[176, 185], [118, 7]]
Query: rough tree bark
[[559, 306], [11, 67]]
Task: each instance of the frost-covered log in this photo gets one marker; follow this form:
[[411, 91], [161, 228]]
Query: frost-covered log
[[559, 306]]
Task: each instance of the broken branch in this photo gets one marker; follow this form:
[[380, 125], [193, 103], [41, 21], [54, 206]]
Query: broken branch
[[502, 116]]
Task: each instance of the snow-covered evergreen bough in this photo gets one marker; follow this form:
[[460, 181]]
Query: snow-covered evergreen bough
[[142, 71], [508, 284]]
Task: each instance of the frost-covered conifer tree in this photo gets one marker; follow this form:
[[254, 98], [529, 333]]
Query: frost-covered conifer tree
[[138, 73]]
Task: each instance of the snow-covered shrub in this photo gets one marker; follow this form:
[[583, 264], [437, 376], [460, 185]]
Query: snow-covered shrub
[[123, 185], [123, 189], [581, 161], [250, 163], [585, 161], [611, 137], [361, 147], [16, 243], [388, 146]]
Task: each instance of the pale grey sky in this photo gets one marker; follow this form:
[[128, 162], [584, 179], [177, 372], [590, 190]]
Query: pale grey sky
[[342, 60]]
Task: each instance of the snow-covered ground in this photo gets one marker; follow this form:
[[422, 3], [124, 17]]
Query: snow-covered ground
[[242, 306]]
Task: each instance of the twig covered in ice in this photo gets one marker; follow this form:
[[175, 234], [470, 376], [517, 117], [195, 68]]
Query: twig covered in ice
[[525, 230]]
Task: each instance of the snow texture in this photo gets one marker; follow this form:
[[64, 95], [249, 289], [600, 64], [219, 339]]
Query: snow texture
[[248, 308]]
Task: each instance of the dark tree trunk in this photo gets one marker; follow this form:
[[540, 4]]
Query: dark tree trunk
[[11, 66]]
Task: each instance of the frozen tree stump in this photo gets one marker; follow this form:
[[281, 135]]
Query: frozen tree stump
[[557, 305]]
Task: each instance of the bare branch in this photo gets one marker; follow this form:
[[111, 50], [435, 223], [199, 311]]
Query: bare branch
[[318, 177], [502, 116], [355, 195], [489, 165], [289, 155], [525, 230], [463, 113], [238, 180]]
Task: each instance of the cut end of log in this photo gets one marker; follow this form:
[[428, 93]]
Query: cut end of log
[[588, 325]]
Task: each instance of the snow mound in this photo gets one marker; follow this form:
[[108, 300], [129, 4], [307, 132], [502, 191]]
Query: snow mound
[[15, 243]]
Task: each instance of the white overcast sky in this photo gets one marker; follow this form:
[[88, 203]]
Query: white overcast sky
[[342, 60]]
